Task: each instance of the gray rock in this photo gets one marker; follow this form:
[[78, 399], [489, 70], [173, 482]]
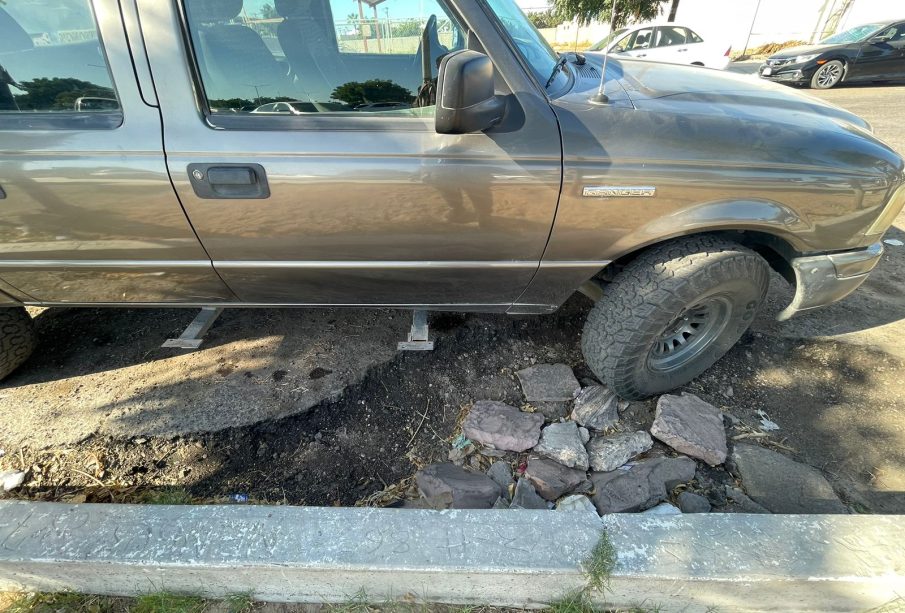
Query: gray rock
[[501, 473], [548, 382], [525, 497], [553, 411], [552, 479], [641, 485], [12, 479], [664, 508], [576, 502], [690, 502], [500, 504], [691, 426], [741, 500], [502, 426], [783, 485], [468, 490], [562, 443], [606, 453], [584, 435], [436, 503], [596, 407]]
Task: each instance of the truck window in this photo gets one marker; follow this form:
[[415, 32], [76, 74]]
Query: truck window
[[321, 56], [52, 60]]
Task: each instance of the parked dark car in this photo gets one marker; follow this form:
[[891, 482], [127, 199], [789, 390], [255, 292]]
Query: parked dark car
[[870, 52]]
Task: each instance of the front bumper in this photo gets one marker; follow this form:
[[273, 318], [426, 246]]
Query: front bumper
[[800, 74], [824, 279]]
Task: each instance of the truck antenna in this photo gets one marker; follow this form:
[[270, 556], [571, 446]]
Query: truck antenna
[[600, 97]]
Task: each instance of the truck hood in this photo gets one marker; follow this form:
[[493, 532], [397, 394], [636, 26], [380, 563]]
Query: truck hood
[[652, 85]]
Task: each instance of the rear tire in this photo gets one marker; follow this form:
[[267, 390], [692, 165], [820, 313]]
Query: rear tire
[[17, 339], [672, 312], [829, 75]]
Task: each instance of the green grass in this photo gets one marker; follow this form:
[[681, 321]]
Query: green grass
[[598, 567], [167, 495], [161, 602], [65, 602]]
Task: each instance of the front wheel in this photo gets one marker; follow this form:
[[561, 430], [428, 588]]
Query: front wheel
[[17, 339], [828, 75], [672, 312]]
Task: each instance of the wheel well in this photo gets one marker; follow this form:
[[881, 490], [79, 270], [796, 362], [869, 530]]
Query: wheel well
[[773, 249], [697, 63]]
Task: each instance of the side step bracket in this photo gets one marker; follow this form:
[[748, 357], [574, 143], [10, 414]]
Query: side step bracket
[[193, 335], [417, 339]]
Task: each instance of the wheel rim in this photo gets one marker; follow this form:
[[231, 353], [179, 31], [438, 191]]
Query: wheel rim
[[689, 334], [829, 74]]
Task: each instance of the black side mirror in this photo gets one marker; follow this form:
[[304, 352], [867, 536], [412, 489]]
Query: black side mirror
[[466, 98]]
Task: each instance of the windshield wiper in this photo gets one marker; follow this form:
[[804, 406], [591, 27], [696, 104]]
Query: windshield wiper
[[578, 58], [562, 61]]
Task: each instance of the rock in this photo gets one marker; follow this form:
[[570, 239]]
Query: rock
[[562, 443], [552, 479], [781, 484], [457, 455], [469, 490], [596, 407], [664, 508], [741, 500], [640, 486], [553, 411], [576, 502], [525, 497], [436, 503], [690, 502], [606, 453], [11, 479], [691, 426], [500, 504], [502, 426], [501, 473], [584, 435], [548, 382]]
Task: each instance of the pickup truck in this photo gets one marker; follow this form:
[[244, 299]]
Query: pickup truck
[[431, 155]]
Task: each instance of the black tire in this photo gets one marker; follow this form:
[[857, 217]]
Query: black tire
[[17, 339], [705, 290], [829, 75]]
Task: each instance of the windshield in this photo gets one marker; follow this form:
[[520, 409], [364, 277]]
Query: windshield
[[533, 47], [602, 45], [853, 35]]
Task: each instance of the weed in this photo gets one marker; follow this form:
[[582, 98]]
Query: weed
[[167, 495], [165, 602], [600, 563]]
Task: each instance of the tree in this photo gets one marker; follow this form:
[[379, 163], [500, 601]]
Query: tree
[[673, 9], [544, 19], [57, 94], [354, 93], [408, 27], [586, 11]]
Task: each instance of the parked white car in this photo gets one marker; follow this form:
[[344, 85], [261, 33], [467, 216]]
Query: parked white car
[[671, 42]]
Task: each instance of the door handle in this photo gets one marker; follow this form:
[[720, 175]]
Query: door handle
[[682, 50], [641, 55], [229, 181]]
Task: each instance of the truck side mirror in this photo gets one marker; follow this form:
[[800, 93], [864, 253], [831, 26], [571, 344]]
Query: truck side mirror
[[466, 98]]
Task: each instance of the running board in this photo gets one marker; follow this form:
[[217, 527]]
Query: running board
[[193, 335], [417, 338]]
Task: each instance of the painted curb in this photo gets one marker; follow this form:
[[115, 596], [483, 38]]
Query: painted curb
[[730, 562]]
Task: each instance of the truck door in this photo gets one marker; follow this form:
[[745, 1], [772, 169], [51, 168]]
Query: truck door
[[87, 211], [309, 163]]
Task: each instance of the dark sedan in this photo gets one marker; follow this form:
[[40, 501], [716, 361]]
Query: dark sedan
[[871, 52]]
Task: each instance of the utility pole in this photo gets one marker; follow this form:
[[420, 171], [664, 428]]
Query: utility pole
[[751, 29]]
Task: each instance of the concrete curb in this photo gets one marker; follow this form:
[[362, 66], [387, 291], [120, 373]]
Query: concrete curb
[[513, 558]]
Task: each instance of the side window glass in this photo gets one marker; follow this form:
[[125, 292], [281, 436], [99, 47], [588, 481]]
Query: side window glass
[[321, 56], [51, 59], [643, 39], [670, 35], [693, 37]]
